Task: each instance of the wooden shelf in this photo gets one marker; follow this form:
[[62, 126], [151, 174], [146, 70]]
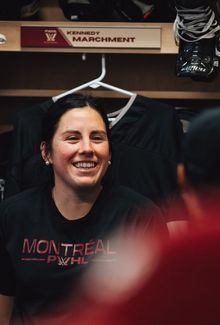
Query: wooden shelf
[[45, 93]]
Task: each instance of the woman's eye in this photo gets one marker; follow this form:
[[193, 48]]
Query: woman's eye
[[72, 138], [97, 138]]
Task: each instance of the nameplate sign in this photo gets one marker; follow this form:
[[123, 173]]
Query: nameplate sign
[[91, 37]]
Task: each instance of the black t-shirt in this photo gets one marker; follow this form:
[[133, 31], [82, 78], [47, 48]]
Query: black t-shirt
[[44, 253]]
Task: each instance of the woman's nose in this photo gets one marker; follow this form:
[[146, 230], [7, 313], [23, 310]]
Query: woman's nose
[[86, 146]]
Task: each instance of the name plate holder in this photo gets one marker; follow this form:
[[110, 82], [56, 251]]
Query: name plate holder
[[148, 37]]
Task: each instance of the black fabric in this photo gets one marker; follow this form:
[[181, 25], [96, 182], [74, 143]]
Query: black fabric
[[128, 10], [164, 11], [10, 10], [27, 168], [146, 143], [44, 253], [5, 145]]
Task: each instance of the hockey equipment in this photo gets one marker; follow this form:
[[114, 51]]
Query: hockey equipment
[[196, 29], [116, 10]]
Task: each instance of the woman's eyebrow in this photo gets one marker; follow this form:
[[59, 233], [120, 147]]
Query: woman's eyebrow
[[71, 131], [98, 131]]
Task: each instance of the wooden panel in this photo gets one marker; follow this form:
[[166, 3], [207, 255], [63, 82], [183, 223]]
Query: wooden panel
[[48, 74]]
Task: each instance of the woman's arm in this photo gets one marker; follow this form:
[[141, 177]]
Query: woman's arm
[[6, 305]]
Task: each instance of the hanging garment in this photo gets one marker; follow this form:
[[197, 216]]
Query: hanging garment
[[146, 140], [26, 167]]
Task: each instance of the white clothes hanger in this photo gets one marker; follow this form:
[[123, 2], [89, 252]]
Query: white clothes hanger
[[95, 83]]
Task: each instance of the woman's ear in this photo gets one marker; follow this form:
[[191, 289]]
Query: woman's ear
[[44, 153]]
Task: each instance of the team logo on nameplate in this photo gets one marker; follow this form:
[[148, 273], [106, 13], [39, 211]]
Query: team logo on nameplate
[[50, 35], [91, 37]]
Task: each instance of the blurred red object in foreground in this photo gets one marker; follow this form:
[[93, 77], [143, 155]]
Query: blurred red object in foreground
[[183, 289]]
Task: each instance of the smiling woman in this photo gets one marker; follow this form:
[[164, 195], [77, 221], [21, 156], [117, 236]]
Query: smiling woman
[[50, 234], [76, 145], [79, 154]]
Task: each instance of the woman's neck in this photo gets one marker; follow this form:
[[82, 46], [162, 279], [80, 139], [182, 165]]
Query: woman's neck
[[74, 205]]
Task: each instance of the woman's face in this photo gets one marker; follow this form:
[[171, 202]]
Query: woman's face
[[80, 149]]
